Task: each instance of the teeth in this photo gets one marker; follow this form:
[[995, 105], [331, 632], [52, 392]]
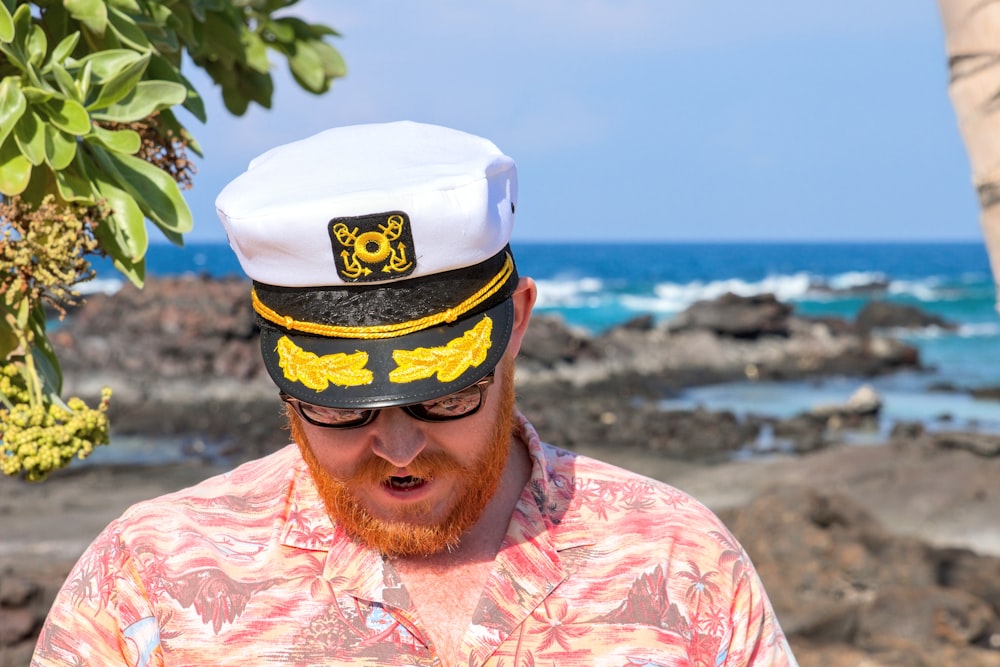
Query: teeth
[[407, 482]]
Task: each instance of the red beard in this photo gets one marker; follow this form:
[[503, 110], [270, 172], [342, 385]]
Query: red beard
[[411, 531]]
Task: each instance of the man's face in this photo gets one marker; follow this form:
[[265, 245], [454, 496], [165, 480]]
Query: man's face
[[406, 487]]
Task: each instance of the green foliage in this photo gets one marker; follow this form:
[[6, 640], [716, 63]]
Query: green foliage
[[90, 151]]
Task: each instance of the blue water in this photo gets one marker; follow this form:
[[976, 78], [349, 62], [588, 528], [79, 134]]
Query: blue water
[[595, 286]]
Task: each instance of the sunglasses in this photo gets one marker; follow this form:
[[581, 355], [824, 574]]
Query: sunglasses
[[462, 403]]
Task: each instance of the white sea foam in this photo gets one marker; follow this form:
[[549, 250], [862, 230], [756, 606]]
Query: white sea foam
[[928, 289], [569, 293], [784, 287], [979, 330], [100, 286], [673, 297], [857, 279], [652, 304]]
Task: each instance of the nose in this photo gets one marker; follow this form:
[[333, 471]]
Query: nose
[[396, 437]]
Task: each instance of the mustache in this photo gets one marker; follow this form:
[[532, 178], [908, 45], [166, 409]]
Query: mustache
[[376, 470]]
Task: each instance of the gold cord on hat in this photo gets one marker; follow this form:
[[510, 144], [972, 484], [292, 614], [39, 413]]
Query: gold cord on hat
[[387, 330]]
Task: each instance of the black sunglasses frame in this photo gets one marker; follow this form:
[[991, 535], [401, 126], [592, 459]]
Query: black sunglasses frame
[[413, 409]]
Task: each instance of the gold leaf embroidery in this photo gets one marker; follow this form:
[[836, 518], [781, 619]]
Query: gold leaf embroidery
[[448, 361], [315, 372]]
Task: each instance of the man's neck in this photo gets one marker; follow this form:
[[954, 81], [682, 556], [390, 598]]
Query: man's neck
[[445, 587]]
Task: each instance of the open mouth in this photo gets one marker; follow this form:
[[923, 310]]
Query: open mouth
[[406, 483]]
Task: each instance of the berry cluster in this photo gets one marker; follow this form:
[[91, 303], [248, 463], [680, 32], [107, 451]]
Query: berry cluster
[[36, 439], [44, 251]]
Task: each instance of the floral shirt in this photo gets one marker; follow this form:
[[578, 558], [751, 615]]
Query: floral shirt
[[599, 566]]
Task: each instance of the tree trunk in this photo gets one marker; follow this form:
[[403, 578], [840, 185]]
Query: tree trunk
[[972, 39]]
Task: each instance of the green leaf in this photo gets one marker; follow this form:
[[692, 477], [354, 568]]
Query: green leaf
[[92, 13], [30, 137], [154, 190], [133, 270], [60, 149], [67, 115], [126, 5], [107, 64], [127, 31], [41, 184], [22, 22], [182, 22], [280, 28], [64, 48], [15, 170], [161, 68], [128, 219], [65, 81], [37, 95], [333, 62], [46, 361], [6, 28], [158, 22], [37, 45], [12, 105], [224, 38], [15, 48], [173, 237], [74, 187], [256, 53], [121, 84], [14, 54], [307, 68], [145, 98], [120, 141], [236, 102]]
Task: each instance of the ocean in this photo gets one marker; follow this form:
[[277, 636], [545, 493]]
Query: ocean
[[596, 286]]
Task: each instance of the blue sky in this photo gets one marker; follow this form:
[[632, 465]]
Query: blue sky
[[670, 120]]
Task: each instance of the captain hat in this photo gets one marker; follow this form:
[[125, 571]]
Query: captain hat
[[382, 274]]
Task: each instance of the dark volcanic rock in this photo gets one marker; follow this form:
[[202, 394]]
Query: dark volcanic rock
[[985, 393], [737, 316], [570, 419], [983, 444], [801, 433], [849, 584], [549, 342], [885, 315], [186, 327]]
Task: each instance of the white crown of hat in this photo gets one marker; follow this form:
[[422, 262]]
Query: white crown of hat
[[458, 191]]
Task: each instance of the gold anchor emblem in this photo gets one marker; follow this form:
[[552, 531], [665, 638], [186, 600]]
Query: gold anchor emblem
[[372, 247]]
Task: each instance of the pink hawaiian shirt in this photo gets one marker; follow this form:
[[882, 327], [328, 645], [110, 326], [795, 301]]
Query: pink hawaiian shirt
[[599, 567]]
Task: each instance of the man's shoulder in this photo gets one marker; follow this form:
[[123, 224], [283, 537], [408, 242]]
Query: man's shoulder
[[574, 464], [591, 481], [246, 489]]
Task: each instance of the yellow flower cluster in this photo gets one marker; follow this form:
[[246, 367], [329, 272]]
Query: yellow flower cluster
[[35, 439]]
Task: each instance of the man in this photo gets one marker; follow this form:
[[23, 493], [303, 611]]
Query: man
[[417, 518]]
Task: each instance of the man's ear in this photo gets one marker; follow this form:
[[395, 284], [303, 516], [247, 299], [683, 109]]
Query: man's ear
[[524, 300]]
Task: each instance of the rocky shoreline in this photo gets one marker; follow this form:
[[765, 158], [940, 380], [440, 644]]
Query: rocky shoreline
[[882, 555]]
